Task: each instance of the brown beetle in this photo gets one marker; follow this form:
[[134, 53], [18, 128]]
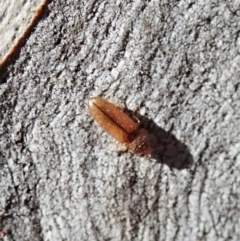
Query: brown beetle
[[120, 126]]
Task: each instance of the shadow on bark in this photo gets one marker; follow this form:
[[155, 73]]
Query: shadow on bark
[[167, 149]]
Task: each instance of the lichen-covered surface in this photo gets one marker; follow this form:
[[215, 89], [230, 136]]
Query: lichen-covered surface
[[15, 15], [177, 63]]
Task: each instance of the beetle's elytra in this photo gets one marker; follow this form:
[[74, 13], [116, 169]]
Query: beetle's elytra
[[120, 126]]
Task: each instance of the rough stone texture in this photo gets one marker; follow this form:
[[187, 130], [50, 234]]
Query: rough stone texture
[[178, 63], [15, 15]]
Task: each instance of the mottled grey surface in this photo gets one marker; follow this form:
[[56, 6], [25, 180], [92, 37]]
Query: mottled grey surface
[[178, 64], [14, 18]]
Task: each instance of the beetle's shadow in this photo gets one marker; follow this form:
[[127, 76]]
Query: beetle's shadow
[[167, 149]]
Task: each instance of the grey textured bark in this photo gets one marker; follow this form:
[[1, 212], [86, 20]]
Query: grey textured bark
[[14, 18], [178, 63]]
